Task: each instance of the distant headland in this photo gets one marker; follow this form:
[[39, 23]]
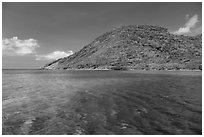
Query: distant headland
[[136, 47]]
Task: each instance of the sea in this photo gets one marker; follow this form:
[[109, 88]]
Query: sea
[[101, 102]]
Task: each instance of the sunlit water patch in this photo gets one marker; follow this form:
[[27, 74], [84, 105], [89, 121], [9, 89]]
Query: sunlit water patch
[[101, 102]]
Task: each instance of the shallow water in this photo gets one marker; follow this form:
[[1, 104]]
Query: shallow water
[[101, 102]]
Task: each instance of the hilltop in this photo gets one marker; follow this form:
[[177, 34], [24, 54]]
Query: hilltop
[[140, 47]]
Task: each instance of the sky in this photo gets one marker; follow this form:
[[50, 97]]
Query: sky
[[34, 34]]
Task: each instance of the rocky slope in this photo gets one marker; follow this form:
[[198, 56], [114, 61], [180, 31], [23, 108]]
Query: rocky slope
[[136, 47]]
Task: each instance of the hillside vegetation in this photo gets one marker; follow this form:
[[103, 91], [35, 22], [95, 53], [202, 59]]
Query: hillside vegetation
[[140, 47]]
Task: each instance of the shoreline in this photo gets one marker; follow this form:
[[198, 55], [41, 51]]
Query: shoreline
[[176, 72], [196, 70]]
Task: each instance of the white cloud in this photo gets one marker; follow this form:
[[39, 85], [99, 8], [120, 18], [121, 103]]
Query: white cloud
[[54, 55], [15, 46], [196, 31], [191, 23]]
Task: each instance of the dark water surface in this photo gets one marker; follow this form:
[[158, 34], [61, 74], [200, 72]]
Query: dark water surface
[[101, 102]]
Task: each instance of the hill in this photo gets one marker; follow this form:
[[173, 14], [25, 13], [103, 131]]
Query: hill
[[142, 47]]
